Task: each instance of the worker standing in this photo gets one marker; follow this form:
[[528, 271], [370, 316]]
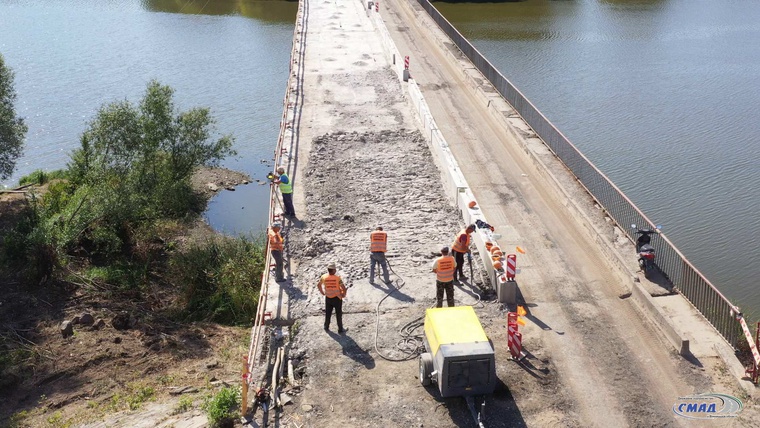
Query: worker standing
[[331, 286], [444, 268], [460, 247], [276, 246], [378, 245], [286, 189]]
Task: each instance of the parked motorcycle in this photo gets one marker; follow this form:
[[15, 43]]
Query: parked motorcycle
[[644, 250]]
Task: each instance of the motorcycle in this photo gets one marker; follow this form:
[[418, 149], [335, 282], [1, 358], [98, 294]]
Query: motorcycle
[[645, 251]]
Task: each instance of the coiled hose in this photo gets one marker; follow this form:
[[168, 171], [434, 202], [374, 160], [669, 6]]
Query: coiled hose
[[410, 344]]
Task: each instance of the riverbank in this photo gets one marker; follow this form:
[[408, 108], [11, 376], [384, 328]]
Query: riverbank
[[77, 350]]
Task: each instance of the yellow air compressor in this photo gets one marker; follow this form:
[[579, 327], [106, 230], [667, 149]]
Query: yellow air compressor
[[459, 359]]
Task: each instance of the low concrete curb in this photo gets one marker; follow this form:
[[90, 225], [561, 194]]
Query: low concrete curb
[[646, 303], [524, 135]]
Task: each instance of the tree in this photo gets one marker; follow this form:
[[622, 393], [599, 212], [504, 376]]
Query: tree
[[146, 153], [150, 142], [12, 128]]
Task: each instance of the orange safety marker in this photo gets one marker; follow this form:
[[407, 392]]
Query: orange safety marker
[[521, 313], [511, 266], [514, 338], [520, 250], [515, 347]]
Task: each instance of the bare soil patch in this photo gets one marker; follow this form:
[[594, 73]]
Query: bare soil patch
[[128, 350]]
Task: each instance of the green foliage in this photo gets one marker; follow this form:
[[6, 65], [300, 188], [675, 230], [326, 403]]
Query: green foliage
[[41, 177], [17, 419], [122, 274], [221, 407], [220, 279], [139, 395], [28, 246], [185, 404], [12, 128], [131, 172], [133, 399]]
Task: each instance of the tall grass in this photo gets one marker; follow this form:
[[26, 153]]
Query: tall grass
[[41, 177], [220, 279]]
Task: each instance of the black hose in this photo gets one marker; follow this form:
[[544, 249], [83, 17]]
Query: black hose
[[410, 344]]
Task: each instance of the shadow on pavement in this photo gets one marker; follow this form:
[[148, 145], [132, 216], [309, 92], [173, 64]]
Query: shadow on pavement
[[352, 350], [394, 291]]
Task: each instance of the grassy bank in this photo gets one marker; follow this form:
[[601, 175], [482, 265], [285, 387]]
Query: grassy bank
[[118, 235]]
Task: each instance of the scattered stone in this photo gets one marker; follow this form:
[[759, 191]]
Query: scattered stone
[[213, 187], [99, 323], [212, 364], [307, 407], [184, 390], [230, 188], [75, 320], [86, 319], [67, 329], [122, 322]]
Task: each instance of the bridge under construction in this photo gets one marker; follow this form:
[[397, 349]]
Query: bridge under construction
[[388, 120]]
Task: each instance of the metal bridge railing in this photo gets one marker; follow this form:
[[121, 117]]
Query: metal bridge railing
[[251, 362], [703, 295]]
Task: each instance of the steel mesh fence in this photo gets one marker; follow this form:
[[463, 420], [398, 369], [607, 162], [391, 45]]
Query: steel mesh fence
[[702, 294]]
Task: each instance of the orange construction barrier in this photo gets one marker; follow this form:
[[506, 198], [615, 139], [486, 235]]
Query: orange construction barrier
[[511, 266]]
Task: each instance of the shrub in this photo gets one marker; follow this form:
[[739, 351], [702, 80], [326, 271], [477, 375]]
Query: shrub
[[221, 407], [131, 171], [40, 177], [220, 279]]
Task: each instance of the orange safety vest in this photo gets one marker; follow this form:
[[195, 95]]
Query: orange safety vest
[[378, 241], [332, 287], [444, 268], [275, 241], [457, 245]]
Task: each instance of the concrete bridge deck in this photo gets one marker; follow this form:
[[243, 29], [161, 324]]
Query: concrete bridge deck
[[360, 155]]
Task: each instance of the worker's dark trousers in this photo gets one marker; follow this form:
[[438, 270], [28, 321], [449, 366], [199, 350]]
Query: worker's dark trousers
[[287, 201], [330, 303], [440, 287], [278, 271], [459, 257]]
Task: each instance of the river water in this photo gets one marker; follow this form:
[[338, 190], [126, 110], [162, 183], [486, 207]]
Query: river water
[[660, 94], [72, 56]]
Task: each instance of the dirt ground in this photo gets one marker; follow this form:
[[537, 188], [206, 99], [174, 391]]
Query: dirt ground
[[592, 360], [138, 359]]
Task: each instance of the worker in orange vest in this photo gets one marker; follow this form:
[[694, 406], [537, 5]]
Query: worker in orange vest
[[331, 286], [276, 245], [460, 247], [378, 245], [444, 268]]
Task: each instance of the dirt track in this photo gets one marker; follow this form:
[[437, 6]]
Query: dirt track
[[592, 360]]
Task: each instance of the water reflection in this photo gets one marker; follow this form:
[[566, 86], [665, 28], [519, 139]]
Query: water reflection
[[277, 11]]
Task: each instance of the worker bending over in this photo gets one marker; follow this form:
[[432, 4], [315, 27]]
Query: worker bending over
[[378, 245], [276, 245], [460, 247], [286, 189], [444, 267], [331, 286]]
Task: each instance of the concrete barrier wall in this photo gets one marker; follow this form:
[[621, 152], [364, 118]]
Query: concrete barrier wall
[[454, 184]]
